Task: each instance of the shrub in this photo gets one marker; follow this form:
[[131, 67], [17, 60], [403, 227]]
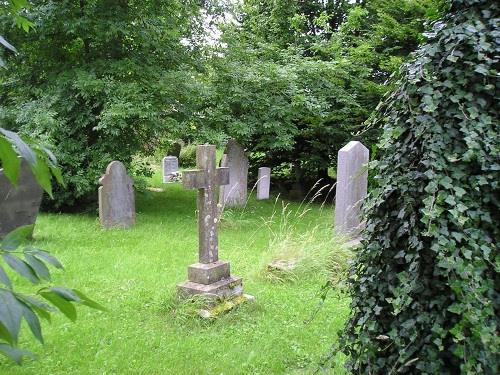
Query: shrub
[[187, 157], [424, 285]]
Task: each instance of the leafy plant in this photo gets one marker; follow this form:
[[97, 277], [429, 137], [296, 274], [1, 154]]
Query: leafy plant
[[31, 264], [424, 285], [187, 156], [41, 160], [100, 81]]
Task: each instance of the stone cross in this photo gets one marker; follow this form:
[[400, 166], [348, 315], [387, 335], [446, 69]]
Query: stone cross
[[352, 183], [206, 179], [170, 166], [19, 204], [116, 197], [210, 277], [263, 183]]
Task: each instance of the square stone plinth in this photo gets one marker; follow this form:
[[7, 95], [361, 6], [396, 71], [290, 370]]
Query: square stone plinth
[[225, 288], [208, 273]]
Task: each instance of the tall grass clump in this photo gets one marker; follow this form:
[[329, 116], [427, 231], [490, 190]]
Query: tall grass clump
[[300, 247]]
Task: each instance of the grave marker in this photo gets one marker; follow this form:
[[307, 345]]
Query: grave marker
[[116, 197], [352, 183], [170, 167], [19, 204], [263, 183], [235, 195], [210, 277]]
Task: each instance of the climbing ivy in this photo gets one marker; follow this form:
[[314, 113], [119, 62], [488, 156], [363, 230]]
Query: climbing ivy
[[425, 283]]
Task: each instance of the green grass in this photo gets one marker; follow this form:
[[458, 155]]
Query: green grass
[[134, 273]]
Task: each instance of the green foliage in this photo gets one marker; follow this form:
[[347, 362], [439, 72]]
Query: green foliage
[[100, 81], [295, 81], [41, 160], [187, 156], [30, 263], [425, 292]]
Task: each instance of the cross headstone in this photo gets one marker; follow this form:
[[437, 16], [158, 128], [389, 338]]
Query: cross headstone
[[235, 195], [210, 276], [263, 183], [19, 204], [116, 197], [352, 183], [170, 168]]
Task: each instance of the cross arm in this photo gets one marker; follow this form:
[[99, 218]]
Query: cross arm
[[194, 179]]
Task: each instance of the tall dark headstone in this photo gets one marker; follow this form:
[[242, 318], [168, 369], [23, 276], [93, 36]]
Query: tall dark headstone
[[19, 205]]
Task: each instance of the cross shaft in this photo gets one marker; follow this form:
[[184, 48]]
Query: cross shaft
[[206, 179]]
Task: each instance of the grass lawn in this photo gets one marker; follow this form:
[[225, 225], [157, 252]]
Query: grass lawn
[[146, 331]]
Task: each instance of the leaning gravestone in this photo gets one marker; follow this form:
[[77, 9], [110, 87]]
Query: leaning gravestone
[[263, 183], [235, 194], [170, 167], [116, 197], [352, 183], [210, 276], [19, 204]]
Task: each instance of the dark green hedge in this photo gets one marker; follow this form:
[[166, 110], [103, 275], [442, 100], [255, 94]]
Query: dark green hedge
[[425, 284]]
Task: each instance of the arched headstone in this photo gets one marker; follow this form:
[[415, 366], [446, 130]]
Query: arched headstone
[[116, 197]]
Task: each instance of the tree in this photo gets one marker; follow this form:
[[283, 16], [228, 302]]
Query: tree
[[424, 284], [295, 81], [100, 80]]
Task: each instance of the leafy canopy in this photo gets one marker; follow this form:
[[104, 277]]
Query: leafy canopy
[[100, 81]]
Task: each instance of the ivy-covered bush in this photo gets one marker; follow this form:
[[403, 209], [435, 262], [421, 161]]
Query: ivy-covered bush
[[425, 283]]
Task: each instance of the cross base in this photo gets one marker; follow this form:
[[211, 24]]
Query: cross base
[[208, 273], [226, 288]]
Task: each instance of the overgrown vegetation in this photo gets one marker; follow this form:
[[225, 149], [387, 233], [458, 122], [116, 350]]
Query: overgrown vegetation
[[425, 290], [99, 81], [295, 81]]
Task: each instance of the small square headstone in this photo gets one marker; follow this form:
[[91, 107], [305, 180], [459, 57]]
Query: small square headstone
[[170, 167], [116, 197], [352, 184]]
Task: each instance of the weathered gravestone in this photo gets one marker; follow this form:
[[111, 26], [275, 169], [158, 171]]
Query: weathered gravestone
[[222, 194], [210, 276], [170, 167], [19, 204], [235, 194], [263, 183], [116, 197], [352, 183]]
